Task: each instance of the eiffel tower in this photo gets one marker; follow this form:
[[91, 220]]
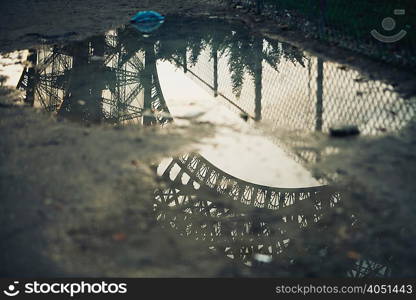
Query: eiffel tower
[[105, 80], [95, 81]]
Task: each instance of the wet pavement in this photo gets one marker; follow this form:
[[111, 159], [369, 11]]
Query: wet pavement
[[270, 192]]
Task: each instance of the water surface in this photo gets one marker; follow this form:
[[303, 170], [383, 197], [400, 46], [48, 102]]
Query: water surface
[[251, 192]]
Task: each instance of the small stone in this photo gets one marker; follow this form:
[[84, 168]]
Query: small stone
[[353, 255], [344, 131], [244, 116], [283, 27], [119, 236], [135, 163]]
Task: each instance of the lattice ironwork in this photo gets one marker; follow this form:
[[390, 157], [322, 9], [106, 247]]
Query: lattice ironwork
[[264, 79], [204, 202], [231, 216], [97, 80], [365, 268]]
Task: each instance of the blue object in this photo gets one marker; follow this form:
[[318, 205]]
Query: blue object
[[147, 21]]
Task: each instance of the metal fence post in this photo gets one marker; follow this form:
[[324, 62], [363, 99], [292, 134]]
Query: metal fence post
[[319, 94], [259, 6], [215, 62], [322, 21]]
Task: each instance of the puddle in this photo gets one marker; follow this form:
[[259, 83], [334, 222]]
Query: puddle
[[252, 192]]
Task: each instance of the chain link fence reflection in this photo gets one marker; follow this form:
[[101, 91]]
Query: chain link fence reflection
[[310, 94], [349, 24]]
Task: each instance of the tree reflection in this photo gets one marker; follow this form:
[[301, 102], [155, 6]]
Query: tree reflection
[[113, 78]]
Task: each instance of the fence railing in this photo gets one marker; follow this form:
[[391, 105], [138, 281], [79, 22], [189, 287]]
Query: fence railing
[[381, 29]]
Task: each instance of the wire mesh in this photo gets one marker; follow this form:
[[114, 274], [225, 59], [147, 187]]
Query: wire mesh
[[350, 24], [312, 95], [307, 94], [267, 80]]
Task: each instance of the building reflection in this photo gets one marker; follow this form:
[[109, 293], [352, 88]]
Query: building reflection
[[114, 79]]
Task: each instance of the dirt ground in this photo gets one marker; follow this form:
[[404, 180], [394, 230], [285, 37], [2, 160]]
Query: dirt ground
[[71, 175], [24, 24], [59, 182], [21, 20], [68, 179]]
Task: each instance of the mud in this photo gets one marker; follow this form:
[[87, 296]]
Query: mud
[[80, 200], [69, 192]]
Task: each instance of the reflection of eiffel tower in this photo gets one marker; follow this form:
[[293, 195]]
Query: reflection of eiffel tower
[[204, 173], [234, 216], [245, 220], [93, 81], [238, 218]]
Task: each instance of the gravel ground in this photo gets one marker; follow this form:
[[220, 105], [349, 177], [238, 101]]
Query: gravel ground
[[77, 201], [22, 20]]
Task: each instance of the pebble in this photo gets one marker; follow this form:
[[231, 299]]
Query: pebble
[[244, 116], [283, 27], [344, 131]]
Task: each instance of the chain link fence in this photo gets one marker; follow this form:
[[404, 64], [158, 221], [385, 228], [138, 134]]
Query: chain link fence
[[307, 94], [263, 79], [380, 29]]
